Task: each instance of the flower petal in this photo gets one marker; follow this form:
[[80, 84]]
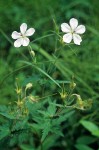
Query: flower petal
[[18, 42], [73, 23], [80, 29], [30, 32], [25, 41], [23, 28], [67, 38], [15, 35], [77, 39], [65, 27]]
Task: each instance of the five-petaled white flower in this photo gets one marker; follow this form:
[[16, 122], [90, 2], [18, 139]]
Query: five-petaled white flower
[[72, 31], [21, 38]]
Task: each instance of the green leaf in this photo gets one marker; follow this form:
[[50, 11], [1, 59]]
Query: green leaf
[[63, 117], [49, 142], [85, 140], [51, 109], [83, 147], [96, 133], [91, 127], [46, 130], [21, 124], [26, 147], [4, 132], [57, 131], [6, 112], [7, 115]]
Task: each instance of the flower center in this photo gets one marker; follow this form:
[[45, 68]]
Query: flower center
[[72, 31], [23, 35]]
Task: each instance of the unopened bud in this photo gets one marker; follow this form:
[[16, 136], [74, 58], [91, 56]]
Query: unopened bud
[[72, 85], [80, 103], [63, 95], [32, 53], [29, 85]]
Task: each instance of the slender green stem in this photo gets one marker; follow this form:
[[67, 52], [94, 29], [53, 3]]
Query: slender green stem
[[6, 37], [42, 37]]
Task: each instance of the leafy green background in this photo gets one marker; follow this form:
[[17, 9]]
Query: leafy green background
[[82, 62]]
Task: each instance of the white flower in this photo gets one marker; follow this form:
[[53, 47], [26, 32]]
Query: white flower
[[21, 38], [72, 31]]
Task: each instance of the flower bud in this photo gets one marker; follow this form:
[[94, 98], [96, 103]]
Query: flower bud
[[80, 103], [32, 53], [72, 85], [63, 95], [29, 85]]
